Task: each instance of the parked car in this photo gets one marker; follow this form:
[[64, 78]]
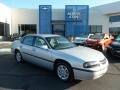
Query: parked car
[[99, 41], [82, 39], [114, 47], [56, 53], [15, 36]]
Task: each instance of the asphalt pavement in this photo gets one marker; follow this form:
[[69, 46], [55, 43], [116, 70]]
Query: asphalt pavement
[[26, 76]]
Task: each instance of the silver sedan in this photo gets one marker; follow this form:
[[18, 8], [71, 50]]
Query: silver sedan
[[56, 53]]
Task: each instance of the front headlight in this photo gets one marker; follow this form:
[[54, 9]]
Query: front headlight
[[90, 64]]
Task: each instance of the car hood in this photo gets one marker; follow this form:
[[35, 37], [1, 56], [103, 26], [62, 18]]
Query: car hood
[[81, 39], [84, 53]]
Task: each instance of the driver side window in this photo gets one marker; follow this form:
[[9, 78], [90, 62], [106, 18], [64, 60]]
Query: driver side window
[[39, 42], [53, 42]]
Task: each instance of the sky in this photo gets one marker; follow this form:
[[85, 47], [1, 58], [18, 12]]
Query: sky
[[54, 3]]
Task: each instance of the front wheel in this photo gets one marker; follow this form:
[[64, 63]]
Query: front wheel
[[64, 71]]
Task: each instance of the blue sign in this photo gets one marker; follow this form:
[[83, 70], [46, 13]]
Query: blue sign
[[45, 19], [76, 17]]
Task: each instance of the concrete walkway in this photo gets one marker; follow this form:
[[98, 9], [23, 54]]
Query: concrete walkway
[[5, 44], [5, 47]]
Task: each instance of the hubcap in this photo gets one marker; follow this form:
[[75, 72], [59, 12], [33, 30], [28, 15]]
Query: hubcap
[[63, 72], [18, 56]]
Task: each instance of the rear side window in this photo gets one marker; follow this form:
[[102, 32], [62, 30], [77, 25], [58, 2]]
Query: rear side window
[[28, 40]]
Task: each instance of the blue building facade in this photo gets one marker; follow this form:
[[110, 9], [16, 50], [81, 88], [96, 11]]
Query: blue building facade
[[76, 20], [45, 14], [75, 23]]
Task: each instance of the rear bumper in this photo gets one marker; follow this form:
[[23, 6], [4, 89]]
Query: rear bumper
[[88, 75]]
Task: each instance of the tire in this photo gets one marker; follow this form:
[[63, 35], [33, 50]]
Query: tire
[[64, 71], [18, 57]]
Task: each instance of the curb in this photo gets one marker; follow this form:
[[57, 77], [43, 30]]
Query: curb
[[5, 51], [3, 42], [4, 45]]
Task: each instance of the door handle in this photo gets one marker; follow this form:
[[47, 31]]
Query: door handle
[[21, 46]]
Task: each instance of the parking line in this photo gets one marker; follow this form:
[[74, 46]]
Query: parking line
[[5, 50]]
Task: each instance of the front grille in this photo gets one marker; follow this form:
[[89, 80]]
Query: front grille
[[103, 61]]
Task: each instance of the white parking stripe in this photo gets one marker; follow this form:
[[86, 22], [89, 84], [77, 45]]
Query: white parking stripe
[[5, 50]]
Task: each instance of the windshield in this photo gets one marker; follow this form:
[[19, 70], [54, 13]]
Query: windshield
[[59, 42], [118, 38], [97, 36]]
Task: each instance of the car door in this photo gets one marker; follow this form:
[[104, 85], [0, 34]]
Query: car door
[[26, 48], [42, 53]]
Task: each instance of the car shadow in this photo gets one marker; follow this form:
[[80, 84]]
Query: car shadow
[[36, 83], [27, 76]]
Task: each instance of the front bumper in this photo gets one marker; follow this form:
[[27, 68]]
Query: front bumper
[[88, 75]]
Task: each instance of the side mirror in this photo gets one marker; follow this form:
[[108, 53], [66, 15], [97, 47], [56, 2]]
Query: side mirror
[[44, 46]]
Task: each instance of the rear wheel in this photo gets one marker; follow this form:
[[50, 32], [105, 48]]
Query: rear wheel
[[18, 56], [64, 71]]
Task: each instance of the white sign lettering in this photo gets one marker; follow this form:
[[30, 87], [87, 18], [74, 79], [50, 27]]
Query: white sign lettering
[[73, 15]]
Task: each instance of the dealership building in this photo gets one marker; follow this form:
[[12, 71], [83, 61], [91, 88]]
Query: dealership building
[[71, 20]]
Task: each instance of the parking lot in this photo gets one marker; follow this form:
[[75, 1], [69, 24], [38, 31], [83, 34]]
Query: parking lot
[[26, 76]]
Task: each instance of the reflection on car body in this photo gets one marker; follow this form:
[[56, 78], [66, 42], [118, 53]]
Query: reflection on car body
[[65, 58]]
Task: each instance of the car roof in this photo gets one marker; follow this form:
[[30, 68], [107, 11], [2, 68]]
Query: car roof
[[43, 35]]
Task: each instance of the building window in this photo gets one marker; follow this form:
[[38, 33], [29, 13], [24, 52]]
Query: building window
[[114, 18], [58, 27], [95, 28], [4, 29], [114, 30], [1, 29], [27, 28]]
